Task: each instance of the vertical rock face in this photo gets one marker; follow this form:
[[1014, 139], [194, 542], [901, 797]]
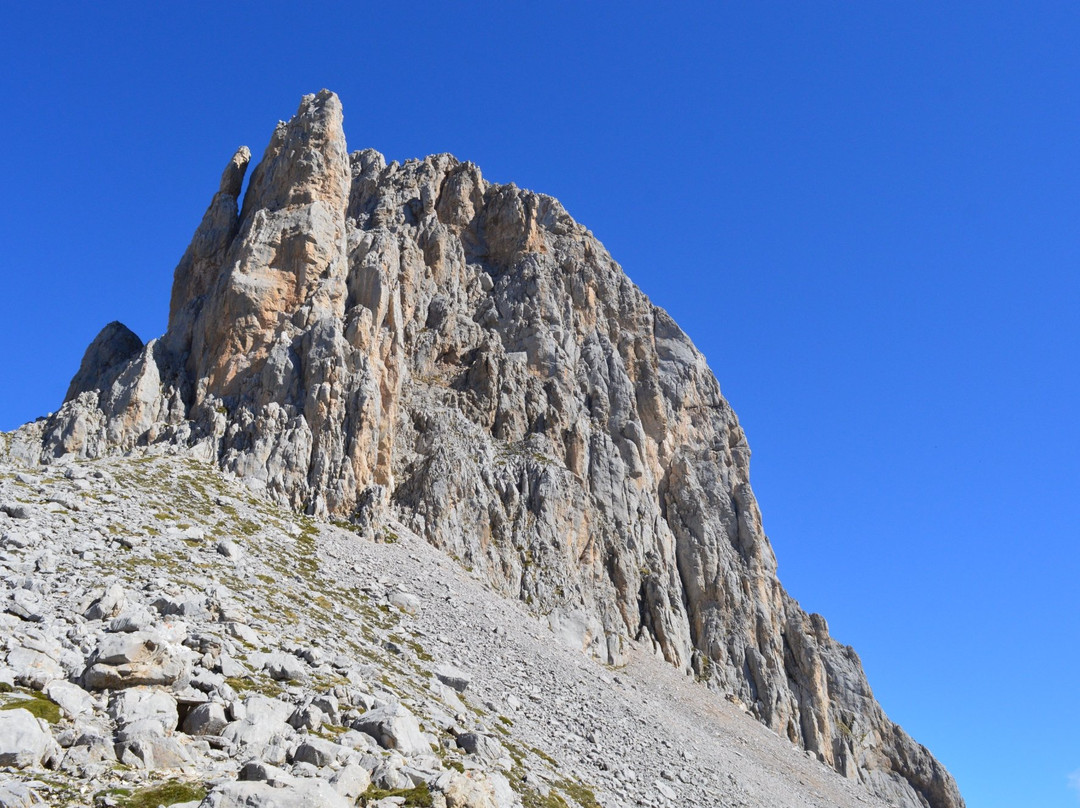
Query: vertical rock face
[[360, 337]]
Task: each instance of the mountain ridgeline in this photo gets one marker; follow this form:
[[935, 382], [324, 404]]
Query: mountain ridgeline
[[355, 339]]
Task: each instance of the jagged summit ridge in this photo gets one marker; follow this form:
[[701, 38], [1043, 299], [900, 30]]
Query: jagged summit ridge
[[357, 339]]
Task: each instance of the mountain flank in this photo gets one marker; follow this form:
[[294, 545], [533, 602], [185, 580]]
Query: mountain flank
[[406, 344]]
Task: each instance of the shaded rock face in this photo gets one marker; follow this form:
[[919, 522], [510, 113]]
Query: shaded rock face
[[104, 359], [360, 337]]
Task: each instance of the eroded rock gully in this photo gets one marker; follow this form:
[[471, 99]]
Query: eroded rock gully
[[358, 340]]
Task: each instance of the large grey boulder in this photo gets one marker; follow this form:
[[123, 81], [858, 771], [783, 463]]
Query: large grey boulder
[[262, 728], [132, 659], [453, 677], [394, 727], [284, 667], [145, 719], [467, 790], [73, 700], [257, 707], [318, 752], [109, 605], [34, 668], [481, 746], [299, 793], [24, 740], [19, 795], [145, 707], [351, 780], [205, 719], [149, 750], [135, 617], [27, 604]]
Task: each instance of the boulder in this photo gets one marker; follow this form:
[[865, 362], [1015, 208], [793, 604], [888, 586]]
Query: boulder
[[351, 781], [133, 659], [284, 667], [230, 549], [263, 708], [109, 605], [410, 604], [149, 750], [73, 700], [19, 795], [134, 617], [467, 790], [318, 752], [16, 510], [27, 605], [34, 668], [454, 677], [253, 736], [482, 747], [206, 719], [145, 707], [394, 727], [299, 793], [24, 740]]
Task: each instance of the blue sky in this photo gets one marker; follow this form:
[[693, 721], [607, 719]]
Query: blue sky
[[866, 215]]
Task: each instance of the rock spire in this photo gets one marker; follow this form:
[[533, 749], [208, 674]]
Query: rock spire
[[360, 338]]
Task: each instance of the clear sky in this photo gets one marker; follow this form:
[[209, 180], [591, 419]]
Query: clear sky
[[866, 215]]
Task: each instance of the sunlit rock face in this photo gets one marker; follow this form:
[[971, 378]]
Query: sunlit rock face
[[358, 337]]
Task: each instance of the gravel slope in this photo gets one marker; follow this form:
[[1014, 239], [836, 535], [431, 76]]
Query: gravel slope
[[237, 586]]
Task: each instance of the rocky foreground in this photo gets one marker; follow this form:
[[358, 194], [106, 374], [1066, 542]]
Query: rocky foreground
[[170, 639]]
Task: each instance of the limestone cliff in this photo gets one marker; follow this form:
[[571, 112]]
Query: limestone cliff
[[358, 337]]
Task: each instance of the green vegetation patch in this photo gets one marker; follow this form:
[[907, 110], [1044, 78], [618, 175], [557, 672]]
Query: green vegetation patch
[[579, 793], [38, 704], [419, 797], [544, 756], [168, 793], [263, 685], [352, 527]]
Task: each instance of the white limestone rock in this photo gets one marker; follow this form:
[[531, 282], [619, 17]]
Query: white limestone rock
[[71, 698], [133, 659], [25, 741], [394, 727]]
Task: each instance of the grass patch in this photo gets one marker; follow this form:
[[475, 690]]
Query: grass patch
[[419, 797], [168, 793], [579, 793], [530, 797], [263, 685], [37, 704], [352, 527], [544, 756]]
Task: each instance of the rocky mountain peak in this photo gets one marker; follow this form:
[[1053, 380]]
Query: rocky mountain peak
[[366, 341]]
